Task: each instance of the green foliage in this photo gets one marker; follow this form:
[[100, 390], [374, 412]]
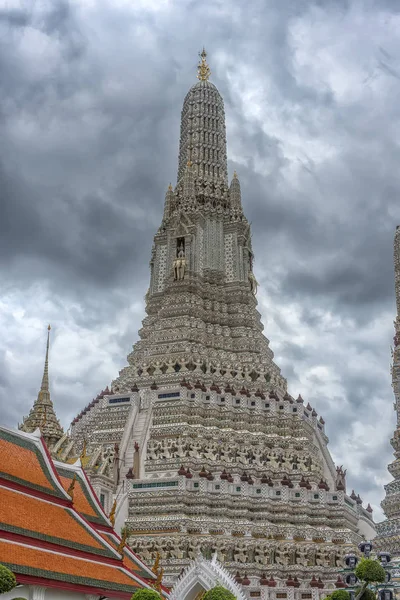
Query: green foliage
[[370, 571], [219, 593], [366, 595], [340, 595], [7, 580], [146, 594]]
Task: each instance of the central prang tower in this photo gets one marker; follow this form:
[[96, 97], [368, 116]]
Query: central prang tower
[[201, 302], [209, 452]]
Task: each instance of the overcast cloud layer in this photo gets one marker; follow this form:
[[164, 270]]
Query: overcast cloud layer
[[90, 100]]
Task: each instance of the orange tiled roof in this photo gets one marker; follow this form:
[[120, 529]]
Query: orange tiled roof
[[39, 519], [25, 464], [83, 501], [40, 562], [79, 555]]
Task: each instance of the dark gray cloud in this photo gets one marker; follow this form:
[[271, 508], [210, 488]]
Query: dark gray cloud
[[90, 100]]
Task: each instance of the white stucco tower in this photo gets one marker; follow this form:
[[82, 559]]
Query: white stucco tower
[[388, 531], [211, 453]]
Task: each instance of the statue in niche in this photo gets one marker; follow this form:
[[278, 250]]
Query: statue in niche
[[180, 263]]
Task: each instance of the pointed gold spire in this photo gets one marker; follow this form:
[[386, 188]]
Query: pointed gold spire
[[203, 70], [170, 187]]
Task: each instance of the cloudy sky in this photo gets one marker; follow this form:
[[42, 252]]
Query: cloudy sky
[[90, 100]]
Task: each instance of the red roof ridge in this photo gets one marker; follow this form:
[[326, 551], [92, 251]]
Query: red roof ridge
[[89, 528], [118, 569], [12, 485], [76, 469]]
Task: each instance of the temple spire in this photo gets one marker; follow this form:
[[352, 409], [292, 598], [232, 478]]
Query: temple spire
[[235, 193], [42, 413], [169, 198], [203, 134], [45, 379], [387, 530], [396, 256]]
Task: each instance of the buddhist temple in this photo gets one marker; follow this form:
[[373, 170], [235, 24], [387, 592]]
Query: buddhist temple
[[198, 446]]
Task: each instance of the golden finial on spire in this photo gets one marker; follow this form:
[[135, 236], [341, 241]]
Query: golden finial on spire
[[170, 187], [203, 70], [234, 175], [111, 516]]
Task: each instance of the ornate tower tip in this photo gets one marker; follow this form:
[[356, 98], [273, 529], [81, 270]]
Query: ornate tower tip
[[234, 175], [203, 70], [48, 328], [170, 188]]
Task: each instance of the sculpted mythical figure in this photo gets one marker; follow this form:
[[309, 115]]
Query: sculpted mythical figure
[[180, 264], [341, 479], [260, 555], [321, 557], [300, 556], [240, 553], [282, 556], [253, 283]]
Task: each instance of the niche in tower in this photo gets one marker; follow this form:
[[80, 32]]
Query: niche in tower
[[180, 246]]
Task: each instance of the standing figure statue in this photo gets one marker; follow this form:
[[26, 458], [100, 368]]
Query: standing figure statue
[[180, 264], [341, 479], [253, 283]]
